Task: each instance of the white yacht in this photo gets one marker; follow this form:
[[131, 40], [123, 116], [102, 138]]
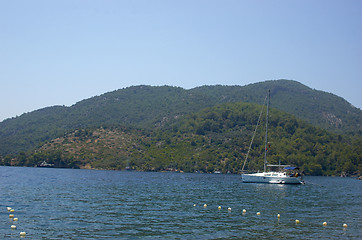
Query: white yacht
[[279, 177], [284, 174]]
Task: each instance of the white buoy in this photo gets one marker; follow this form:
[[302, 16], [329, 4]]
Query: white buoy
[[229, 209], [205, 205], [296, 221], [345, 225], [324, 223], [244, 210], [8, 208], [219, 207], [11, 215], [13, 227], [22, 234], [278, 215], [258, 213], [15, 219], [194, 205]]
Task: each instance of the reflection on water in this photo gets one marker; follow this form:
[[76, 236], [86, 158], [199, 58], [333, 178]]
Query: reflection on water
[[88, 204]]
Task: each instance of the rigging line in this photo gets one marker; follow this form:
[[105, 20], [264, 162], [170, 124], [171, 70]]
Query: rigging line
[[266, 129], [252, 139]]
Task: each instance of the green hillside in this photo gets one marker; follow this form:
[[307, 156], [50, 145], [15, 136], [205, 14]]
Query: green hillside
[[149, 107], [213, 139], [141, 106], [319, 108]]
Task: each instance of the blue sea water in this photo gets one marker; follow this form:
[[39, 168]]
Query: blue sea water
[[94, 204]]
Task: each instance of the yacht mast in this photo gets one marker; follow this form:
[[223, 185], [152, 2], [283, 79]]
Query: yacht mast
[[266, 129]]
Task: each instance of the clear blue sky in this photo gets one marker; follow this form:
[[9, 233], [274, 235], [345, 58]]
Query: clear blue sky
[[59, 52]]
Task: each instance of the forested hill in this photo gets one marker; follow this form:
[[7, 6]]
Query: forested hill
[[213, 139], [149, 107], [319, 108]]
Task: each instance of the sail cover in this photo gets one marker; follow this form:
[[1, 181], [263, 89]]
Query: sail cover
[[290, 168]]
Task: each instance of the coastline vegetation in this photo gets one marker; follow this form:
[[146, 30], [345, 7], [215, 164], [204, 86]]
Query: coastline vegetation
[[213, 139]]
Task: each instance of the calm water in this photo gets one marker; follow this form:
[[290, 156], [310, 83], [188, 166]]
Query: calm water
[[89, 204]]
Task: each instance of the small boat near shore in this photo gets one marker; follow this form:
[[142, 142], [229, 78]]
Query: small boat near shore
[[45, 165]]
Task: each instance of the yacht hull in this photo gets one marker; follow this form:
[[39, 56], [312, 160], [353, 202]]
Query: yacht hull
[[271, 177]]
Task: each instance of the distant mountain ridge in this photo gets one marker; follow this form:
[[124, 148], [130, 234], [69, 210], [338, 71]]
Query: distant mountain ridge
[[212, 139], [319, 108], [149, 107]]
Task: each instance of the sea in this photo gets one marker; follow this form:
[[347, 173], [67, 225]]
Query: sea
[[51, 203]]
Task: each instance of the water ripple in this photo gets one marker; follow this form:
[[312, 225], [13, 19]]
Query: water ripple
[[86, 204]]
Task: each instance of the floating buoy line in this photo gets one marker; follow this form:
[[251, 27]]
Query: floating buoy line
[[297, 221], [22, 234], [13, 220]]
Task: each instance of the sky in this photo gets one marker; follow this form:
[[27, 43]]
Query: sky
[[62, 51]]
